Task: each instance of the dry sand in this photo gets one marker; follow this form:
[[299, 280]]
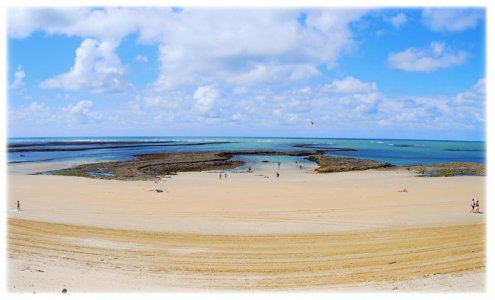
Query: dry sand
[[345, 231]]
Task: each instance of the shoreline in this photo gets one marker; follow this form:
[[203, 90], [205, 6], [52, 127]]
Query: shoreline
[[148, 166]]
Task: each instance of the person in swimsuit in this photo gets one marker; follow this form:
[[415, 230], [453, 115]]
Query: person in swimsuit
[[473, 205], [477, 207]]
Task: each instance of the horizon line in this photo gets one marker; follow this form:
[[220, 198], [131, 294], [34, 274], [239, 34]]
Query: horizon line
[[263, 137]]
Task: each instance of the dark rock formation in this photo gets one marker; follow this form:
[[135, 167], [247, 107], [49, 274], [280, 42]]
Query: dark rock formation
[[330, 164], [147, 165], [450, 169]]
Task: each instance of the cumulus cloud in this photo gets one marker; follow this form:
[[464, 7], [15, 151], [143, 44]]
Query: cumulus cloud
[[81, 107], [199, 46], [350, 85], [205, 97], [451, 19], [474, 96], [429, 59], [19, 76], [398, 20], [460, 112], [96, 68], [239, 47], [37, 114], [256, 68]]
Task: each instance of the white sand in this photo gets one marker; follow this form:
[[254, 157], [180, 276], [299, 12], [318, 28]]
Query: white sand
[[244, 203], [298, 201]]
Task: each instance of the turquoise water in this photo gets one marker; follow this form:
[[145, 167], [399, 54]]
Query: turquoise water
[[94, 149]]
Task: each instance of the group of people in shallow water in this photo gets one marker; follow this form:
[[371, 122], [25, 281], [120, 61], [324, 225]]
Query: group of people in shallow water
[[475, 206], [250, 171]]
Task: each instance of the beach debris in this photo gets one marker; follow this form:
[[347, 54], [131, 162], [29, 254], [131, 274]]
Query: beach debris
[[392, 262], [64, 291], [402, 191], [395, 288], [41, 271], [159, 190]]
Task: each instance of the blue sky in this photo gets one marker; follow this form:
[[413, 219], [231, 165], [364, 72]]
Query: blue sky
[[372, 73]]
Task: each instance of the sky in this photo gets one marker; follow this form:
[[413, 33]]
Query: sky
[[412, 73]]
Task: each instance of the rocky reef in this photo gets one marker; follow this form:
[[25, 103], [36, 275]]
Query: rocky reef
[[145, 166], [330, 164], [450, 169]]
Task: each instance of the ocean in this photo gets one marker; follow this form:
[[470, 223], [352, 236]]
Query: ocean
[[97, 149]]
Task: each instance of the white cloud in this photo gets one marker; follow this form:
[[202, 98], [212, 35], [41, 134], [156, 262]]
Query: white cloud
[[96, 68], [205, 97], [19, 76], [236, 65], [463, 111], [474, 96], [81, 107], [202, 46], [451, 19], [427, 59], [350, 85], [110, 23], [398, 20], [22, 22]]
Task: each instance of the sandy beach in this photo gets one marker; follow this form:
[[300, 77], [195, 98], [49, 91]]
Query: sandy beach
[[250, 231]]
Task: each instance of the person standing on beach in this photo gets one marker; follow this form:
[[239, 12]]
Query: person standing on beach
[[18, 205], [278, 175], [225, 175], [279, 165], [473, 204], [477, 207], [220, 175]]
